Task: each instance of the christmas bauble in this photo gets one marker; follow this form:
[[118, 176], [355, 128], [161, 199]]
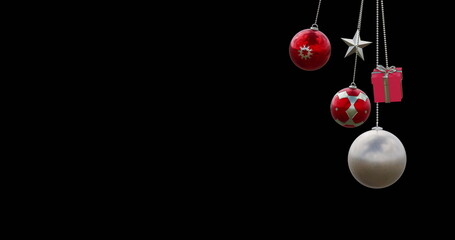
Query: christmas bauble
[[377, 158], [350, 107], [310, 49]]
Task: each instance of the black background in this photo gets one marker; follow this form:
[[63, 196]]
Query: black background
[[265, 138], [247, 137]]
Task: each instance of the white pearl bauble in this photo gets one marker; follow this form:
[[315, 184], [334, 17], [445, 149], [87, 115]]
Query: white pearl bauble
[[377, 158]]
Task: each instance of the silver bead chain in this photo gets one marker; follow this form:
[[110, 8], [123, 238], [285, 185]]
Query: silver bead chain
[[355, 68], [377, 33], [385, 38], [317, 14], [360, 15], [377, 114], [358, 27], [377, 46]]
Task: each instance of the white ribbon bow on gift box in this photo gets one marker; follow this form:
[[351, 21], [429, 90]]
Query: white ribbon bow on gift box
[[387, 70]]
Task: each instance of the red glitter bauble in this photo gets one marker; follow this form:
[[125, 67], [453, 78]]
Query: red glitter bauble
[[310, 49], [350, 107]]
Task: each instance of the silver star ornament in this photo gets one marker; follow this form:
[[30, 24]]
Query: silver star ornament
[[355, 45]]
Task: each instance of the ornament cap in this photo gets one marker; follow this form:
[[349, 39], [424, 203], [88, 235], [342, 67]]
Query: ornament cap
[[352, 85], [377, 128], [314, 27]]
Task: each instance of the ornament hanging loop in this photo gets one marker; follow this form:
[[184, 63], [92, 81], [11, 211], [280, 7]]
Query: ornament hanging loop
[[314, 27]]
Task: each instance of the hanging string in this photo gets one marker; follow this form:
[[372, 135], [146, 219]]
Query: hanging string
[[317, 13], [377, 114], [377, 46], [359, 23], [377, 32], [315, 24], [385, 39], [360, 15], [355, 69], [377, 55]]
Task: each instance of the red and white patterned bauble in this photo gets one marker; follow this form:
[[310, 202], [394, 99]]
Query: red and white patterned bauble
[[350, 107], [310, 49]]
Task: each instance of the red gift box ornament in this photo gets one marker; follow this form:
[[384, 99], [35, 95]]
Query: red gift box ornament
[[387, 84]]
